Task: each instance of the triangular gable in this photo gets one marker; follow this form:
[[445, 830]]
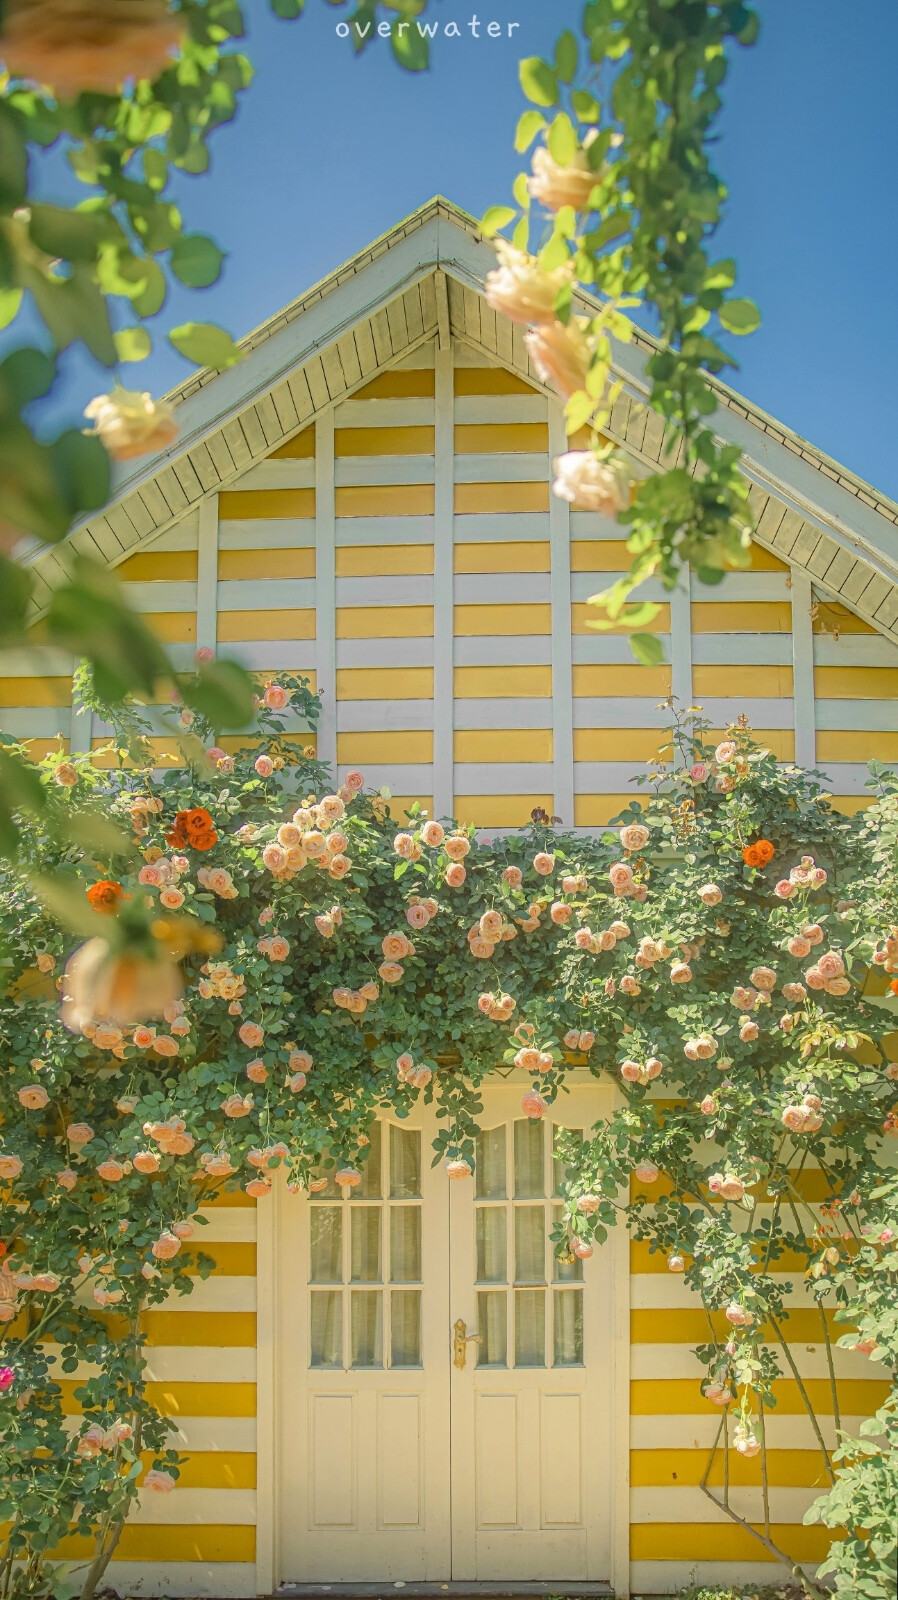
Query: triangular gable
[[424, 281]]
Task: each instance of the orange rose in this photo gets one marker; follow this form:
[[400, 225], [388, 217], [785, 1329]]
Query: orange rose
[[203, 839], [196, 821], [105, 895]]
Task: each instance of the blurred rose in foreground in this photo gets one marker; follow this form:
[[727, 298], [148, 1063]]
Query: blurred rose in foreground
[[87, 44], [118, 987], [131, 424]]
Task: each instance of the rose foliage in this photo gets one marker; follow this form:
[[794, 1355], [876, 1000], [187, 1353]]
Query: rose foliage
[[708, 954]]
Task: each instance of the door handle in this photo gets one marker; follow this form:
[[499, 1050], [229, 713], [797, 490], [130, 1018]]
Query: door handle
[[460, 1341]]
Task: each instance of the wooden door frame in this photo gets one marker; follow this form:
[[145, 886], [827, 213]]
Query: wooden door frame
[[268, 1408]]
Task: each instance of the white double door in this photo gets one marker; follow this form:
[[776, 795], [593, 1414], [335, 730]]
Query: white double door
[[396, 1462]]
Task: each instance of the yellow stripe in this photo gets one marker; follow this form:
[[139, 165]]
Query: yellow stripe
[[765, 561], [385, 683], [833, 617], [471, 498], [232, 742], [384, 441], [383, 560], [621, 682], [173, 565], [174, 627], [38, 748], [524, 556], [170, 1542], [671, 1397], [594, 810], [230, 1199], [414, 383], [581, 614], [509, 683], [618, 744], [385, 622], [856, 744], [811, 1184], [856, 683], [288, 624], [358, 748], [221, 1329], [490, 380], [711, 1541], [385, 500], [297, 562], [501, 438], [600, 555], [232, 1259], [300, 448], [504, 744], [850, 804], [266, 503], [680, 1325], [798, 1469], [500, 810], [488, 621], [763, 683], [214, 1469], [741, 616], [35, 691]]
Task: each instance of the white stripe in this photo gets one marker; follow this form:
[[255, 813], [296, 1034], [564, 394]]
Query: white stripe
[[198, 1363], [325, 579], [849, 777], [278, 475], [411, 412], [374, 472], [678, 1361], [211, 1433], [403, 589], [483, 409], [561, 591], [505, 588], [385, 653], [290, 655], [591, 525], [586, 584], [232, 1580], [183, 536], [684, 1432], [669, 1577], [399, 777], [37, 722], [495, 778], [215, 1294], [875, 716], [613, 711], [507, 650], [606, 777], [613, 649], [189, 1507], [497, 527], [744, 586], [161, 596], [686, 1503], [265, 594], [44, 661], [226, 1223], [444, 557], [496, 713], [752, 649], [207, 573], [384, 530], [854, 650], [363, 716], [502, 468], [762, 713], [266, 533]]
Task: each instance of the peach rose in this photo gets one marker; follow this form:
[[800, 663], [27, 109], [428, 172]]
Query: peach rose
[[635, 836], [433, 834], [166, 1246], [79, 1133], [543, 863], [620, 876], [457, 847], [264, 766], [764, 978], [67, 1178], [391, 971], [159, 1482], [588, 1204], [513, 877], [710, 895], [275, 697], [724, 752], [395, 946], [236, 1106], [557, 187], [681, 972], [251, 1034], [830, 965], [560, 354], [146, 1161], [129, 423], [257, 1072], [533, 1105], [417, 916], [458, 1169], [521, 289], [164, 1045], [354, 781], [274, 857], [33, 1097], [172, 899], [404, 846], [111, 1171], [455, 875]]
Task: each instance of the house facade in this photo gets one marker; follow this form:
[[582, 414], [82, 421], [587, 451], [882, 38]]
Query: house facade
[[366, 498]]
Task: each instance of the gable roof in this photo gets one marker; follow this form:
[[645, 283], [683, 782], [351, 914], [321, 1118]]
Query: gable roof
[[423, 280]]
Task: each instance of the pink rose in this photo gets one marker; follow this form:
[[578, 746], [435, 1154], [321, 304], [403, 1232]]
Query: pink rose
[[276, 698], [264, 766], [354, 781], [699, 773], [724, 752], [159, 1482]]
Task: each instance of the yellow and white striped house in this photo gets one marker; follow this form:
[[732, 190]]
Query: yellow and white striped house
[[366, 498]]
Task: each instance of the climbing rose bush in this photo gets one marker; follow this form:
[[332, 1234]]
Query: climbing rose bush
[[708, 954]]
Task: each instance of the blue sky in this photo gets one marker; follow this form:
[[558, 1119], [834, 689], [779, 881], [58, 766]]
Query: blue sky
[[329, 151]]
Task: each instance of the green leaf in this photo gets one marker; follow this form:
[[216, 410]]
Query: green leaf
[[196, 260], [222, 692], [567, 57], [740, 316], [10, 300], [538, 81], [150, 297], [206, 345], [71, 235], [647, 648], [562, 140], [81, 467], [410, 47], [529, 126], [287, 9], [495, 218], [132, 344], [722, 275], [13, 161], [587, 109]]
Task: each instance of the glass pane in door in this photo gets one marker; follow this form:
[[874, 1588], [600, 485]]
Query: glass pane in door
[[529, 1147], [370, 1188], [492, 1325], [326, 1244], [491, 1252], [405, 1328], [327, 1328], [405, 1163], [530, 1244], [490, 1159], [530, 1328], [366, 1328], [405, 1244], [568, 1336]]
